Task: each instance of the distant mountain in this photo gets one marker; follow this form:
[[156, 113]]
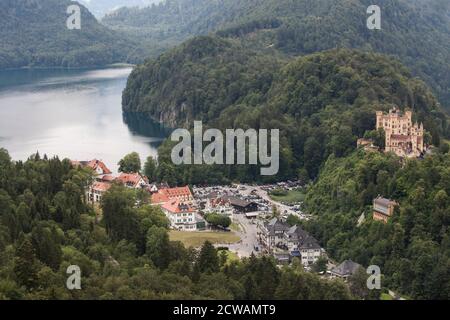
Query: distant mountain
[[101, 7], [417, 32], [34, 33]]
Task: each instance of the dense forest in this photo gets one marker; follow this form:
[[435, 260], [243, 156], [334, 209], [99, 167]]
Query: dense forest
[[413, 248], [34, 34], [123, 253], [321, 103], [309, 68], [415, 32]]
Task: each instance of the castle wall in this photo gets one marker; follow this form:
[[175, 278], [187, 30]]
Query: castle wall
[[402, 136]]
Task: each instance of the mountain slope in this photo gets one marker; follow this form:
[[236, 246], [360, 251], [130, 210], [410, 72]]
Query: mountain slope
[[413, 248], [34, 33], [321, 102], [417, 32]]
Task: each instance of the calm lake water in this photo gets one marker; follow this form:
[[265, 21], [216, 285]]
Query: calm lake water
[[74, 114]]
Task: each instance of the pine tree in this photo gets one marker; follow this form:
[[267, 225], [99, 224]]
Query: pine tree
[[25, 264], [208, 261]]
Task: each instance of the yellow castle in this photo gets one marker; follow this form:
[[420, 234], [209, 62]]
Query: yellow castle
[[403, 137]]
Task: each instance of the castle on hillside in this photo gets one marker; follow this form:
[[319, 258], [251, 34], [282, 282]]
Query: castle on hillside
[[403, 137]]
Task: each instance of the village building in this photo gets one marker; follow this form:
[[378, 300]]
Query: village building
[[383, 209], [242, 206], [153, 188], [133, 180], [302, 245], [271, 234], [403, 137], [98, 166], [214, 203], [182, 216], [182, 194], [179, 206], [345, 270], [96, 191], [281, 240]]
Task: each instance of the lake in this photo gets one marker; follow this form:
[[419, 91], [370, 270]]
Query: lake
[[74, 114]]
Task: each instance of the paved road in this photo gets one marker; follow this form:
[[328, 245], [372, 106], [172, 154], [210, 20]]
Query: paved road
[[249, 237]]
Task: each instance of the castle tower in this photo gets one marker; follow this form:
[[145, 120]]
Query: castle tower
[[402, 137], [379, 119]]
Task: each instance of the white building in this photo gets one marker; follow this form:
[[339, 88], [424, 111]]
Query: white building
[[182, 216], [302, 245], [96, 191], [271, 234]]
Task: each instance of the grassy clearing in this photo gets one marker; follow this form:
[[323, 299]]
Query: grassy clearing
[[292, 196], [196, 239]]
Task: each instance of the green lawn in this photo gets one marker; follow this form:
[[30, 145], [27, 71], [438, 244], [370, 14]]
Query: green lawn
[[196, 239], [292, 196]]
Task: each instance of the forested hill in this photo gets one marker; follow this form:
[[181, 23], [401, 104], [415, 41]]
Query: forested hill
[[125, 253], [34, 33], [413, 248], [417, 32], [321, 102]]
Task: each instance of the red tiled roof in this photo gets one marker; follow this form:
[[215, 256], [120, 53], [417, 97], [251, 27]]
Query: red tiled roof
[[164, 195], [101, 186], [177, 207], [131, 179], [177, 192], [159, 197], [93, 164], [107, 178]]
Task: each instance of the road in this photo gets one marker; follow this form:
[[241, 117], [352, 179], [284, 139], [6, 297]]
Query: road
[[249, 237]]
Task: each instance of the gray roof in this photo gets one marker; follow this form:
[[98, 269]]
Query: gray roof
[[305, 240], [235, 201], [383, 201], [346, 268], [276, 225]]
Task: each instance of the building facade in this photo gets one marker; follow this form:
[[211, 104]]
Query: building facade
[[403, 137], [302, 245], [182, 216], [271, 234], [345, 270], [383, 209], [96, 191], [133, 180], [164, 195]]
